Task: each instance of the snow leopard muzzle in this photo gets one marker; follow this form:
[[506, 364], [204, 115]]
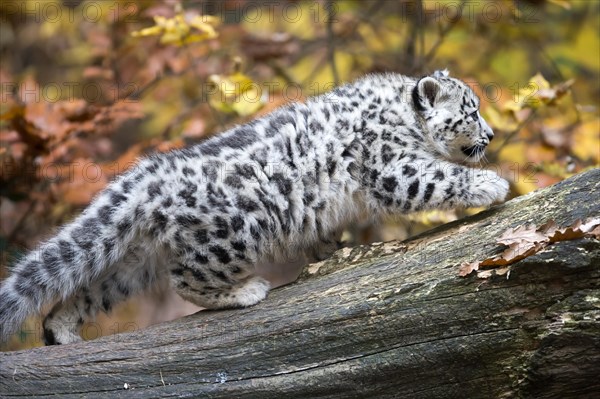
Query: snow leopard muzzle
[[473, 150]]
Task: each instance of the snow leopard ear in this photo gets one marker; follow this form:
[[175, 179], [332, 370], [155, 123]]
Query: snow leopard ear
[[441, 74], [426, 93]]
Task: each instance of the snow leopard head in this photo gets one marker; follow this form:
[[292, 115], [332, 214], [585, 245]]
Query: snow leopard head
[[450, 110]]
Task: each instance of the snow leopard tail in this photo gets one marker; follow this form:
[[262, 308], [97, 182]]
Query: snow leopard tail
[[72, 259]]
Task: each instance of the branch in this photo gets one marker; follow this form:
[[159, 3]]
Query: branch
[[330, 42], [373, 321]]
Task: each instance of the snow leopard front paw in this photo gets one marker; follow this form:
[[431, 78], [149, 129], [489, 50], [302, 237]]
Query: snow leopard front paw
[[487, 188]]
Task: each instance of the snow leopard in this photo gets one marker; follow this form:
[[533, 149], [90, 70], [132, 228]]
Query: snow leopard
[[201, 218]]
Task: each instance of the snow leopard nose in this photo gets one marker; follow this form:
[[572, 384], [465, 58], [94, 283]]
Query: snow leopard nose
[[486, 129]]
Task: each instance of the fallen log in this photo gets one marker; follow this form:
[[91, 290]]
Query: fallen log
[[385, 320]]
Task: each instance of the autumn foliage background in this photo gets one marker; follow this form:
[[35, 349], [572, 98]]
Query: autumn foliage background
[[88, 87]]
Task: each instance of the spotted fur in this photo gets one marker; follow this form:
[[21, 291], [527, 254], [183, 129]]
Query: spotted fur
[[277, 188]]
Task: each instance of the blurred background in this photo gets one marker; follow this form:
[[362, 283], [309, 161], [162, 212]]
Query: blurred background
[[87, 87]]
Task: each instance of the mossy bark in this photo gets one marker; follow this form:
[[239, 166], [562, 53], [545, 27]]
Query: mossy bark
[[385, 320]]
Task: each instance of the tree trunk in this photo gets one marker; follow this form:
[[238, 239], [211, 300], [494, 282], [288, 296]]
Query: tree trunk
[[385, 320]]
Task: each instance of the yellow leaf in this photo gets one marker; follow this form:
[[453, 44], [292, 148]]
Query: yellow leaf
[[151, 31], [514, 153], [537, 93], [227, 88], [160, 20], [532, 94], [500, 120], [180, 30], [586, 141], [170, 38], [221, 106], [204, 23], [248, 103], [235, 93], [244, 82]]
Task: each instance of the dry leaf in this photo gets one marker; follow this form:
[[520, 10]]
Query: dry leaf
[[494, 272], [578, 229], [524, 241], [485, 274], [590, 225], [548, 228], [521, 235], [514, 253], [569, 233], [467, 268]]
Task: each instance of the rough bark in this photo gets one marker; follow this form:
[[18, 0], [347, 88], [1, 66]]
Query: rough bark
[[386, 320]]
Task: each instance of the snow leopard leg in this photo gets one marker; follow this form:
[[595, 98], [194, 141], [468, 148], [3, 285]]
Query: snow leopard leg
[[325, 247], [63, 323], [232, 285], [437, 184]]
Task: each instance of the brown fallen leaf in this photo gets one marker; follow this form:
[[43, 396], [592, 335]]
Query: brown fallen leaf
[[467, 268], [524, 241], [578, 229], [548, 228], [521, 234], [514, 253], [569, 233], [485, 273], [590, 225], [501, 271]]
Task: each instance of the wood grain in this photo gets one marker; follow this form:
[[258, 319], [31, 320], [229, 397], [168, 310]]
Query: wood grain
[[386, 320]]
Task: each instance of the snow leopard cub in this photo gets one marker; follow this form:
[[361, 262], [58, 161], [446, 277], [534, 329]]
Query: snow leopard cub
[[277, 187]]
